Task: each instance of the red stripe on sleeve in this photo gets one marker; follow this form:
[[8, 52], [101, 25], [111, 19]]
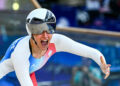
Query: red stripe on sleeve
[[33, 78]]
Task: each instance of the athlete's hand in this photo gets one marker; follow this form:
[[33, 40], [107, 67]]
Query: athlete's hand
[[105, 68]]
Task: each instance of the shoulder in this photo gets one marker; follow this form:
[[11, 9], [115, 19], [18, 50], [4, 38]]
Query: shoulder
[[23, 43], [12, 48], [17, 41], [22, 40], [22, 48], [58, 37]]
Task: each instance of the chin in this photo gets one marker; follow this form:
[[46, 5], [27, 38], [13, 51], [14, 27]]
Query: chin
[[44, 48]]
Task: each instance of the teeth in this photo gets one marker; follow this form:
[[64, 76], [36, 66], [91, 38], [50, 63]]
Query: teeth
[[45, 40]]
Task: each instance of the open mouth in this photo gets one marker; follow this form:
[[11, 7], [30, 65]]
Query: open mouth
[[44, 42]]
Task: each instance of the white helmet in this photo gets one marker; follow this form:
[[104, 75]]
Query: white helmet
[[40, 20]]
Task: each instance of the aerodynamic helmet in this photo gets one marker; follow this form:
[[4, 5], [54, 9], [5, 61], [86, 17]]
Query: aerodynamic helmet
[[40, 20]]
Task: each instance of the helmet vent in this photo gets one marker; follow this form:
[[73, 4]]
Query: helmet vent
[[36, 21], [52, 19], [49, 18], [28, 20]]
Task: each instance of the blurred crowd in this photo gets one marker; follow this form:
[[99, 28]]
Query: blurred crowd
[[97, 14]]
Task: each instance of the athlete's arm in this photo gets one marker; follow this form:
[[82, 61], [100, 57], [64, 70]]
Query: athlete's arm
[[20, 60], [22, 72], [5, 67], [66, 44]]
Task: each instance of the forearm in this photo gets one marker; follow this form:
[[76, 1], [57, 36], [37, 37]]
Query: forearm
[[5, 68], [21, 67], [22, 73], [67, 45], [3, 71]]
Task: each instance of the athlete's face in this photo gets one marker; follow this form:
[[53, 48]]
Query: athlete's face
[[43, 39]]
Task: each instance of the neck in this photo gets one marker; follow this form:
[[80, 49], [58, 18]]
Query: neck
[[35, 50]]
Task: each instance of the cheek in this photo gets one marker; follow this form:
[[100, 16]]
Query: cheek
[[50, 37], [38, 37]]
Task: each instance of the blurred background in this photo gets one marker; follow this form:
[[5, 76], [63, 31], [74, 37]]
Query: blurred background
[[65, 69]]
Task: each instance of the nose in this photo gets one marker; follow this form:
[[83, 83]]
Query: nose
[[45, 34]]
